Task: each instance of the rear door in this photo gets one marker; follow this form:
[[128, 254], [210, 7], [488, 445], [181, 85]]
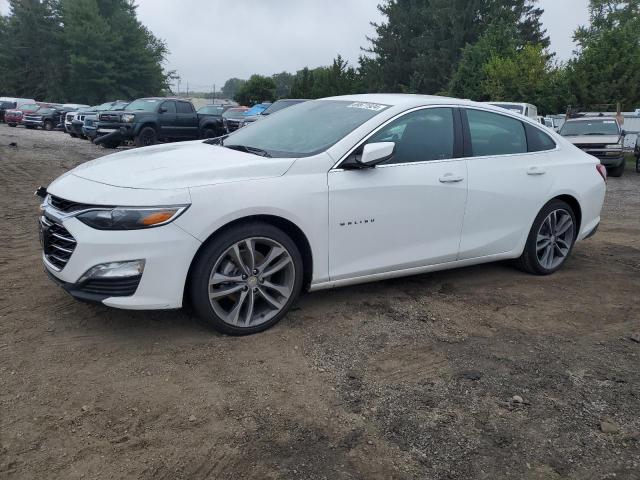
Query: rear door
[[187, 120], [510, 176], [167, 120]]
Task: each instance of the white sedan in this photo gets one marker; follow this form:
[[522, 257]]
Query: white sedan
[[327, 193]]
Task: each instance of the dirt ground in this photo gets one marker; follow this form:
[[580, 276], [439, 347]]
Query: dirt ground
[[404, 379]]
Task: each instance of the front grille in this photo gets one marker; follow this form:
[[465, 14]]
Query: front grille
[[112, 287], [88, 122], [590, 146], [109, 117], [57, 242], [70, 117], [68, 206]]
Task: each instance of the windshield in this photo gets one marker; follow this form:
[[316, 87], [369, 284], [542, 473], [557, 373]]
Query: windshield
[[234, 113], [118, 106], [211, 110], [590, 127], [514, 107], [305, 129], [279, 105], [143, 105], [255, 110]]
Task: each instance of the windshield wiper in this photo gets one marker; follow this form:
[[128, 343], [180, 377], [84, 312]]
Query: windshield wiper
[[252, 150], [598, 133]]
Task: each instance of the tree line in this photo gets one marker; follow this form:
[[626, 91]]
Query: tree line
[[83, 51], [478, 49], [89, 51]]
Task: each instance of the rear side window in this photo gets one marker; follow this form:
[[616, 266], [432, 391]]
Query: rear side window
[[538, 140], [495, 134], [184, 107]]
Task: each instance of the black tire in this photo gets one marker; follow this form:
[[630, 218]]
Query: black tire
[[207, 259], [111, 145], [30, 127], [73, 135], [616, 171], [146, 137], [48, 125], [638, 165], [209, 133], [12, 124], [529, 261]]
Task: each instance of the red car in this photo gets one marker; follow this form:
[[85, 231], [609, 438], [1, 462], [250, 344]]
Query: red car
[[14, 117]]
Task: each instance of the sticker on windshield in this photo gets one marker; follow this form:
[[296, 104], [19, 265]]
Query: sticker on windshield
[[376, 107]]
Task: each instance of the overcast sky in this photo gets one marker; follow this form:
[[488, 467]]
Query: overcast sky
[[213, 40]]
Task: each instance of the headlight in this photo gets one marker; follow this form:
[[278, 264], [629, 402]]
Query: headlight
[[123, 218], [128, 117]]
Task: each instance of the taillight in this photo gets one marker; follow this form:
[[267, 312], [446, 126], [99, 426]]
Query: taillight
[[602, 170]]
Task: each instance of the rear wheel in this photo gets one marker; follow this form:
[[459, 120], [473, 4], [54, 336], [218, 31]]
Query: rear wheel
[[146, 137], [550, 240], [246, 280], [12, 124], [616, 171]]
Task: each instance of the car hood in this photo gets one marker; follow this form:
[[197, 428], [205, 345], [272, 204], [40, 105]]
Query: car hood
[[593, 139], [180, 165]]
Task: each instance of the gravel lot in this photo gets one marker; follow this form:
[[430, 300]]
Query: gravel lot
[[484, 372]]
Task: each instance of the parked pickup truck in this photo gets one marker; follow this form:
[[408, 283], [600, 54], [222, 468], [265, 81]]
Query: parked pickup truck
[[601, 137], [147, 121], [47, 118]]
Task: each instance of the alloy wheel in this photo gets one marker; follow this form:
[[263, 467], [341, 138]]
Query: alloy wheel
[[251, 282], [555, 238]]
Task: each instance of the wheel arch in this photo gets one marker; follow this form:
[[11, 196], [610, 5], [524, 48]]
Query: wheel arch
[[575, 205], [287, 226]]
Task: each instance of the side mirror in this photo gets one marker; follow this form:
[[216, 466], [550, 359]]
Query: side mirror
[[623, 133], [375, 153], [162, 110]]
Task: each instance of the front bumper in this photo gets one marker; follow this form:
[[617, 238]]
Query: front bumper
[[33, 123], [167, 250]]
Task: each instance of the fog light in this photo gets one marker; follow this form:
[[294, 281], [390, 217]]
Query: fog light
[[131, 268]]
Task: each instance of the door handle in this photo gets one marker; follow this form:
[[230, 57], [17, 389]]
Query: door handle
[[536, 171], [450, 178]]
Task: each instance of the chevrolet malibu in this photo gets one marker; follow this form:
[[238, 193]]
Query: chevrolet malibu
[[327, 193]]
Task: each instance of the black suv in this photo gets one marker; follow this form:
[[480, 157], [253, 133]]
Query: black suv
[[148, 120]]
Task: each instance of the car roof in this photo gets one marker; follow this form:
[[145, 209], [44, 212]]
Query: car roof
[[405, 99]]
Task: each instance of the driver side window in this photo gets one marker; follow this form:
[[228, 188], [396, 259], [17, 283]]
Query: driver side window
[[420, 136]]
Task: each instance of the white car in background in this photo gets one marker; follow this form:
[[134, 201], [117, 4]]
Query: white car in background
[[525, 109], [327, 193]]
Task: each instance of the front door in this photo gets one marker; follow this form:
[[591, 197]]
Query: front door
[[407, 212], [167, 120]]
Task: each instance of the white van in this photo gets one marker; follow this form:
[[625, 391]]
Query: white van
[[525, 109]]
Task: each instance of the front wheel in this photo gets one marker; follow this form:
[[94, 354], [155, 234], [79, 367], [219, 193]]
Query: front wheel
[[246, 279], [550, 240], [48, 126], [12, 124], [146, 137]]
